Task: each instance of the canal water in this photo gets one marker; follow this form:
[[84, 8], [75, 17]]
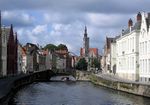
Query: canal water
[[74, 93]]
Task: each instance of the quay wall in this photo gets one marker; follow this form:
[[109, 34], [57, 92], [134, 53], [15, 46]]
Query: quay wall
[[10, 85], [129, 87]]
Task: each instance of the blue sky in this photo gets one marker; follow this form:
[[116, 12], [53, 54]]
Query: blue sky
[[63, 21]]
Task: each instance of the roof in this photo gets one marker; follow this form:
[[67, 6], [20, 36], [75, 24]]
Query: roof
[[23, 51], [136, 26], [109, 40], [93, 51], [61, 52]]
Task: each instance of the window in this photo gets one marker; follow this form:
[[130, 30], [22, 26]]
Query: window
[[145, 79], [146, 47], [140, 65], [143, 33], [143, 47], [133, 63], [145, 66]]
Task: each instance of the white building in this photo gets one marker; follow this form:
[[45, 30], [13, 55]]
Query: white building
[[60, 63], [113, 56], [144, 48], [128, 52]]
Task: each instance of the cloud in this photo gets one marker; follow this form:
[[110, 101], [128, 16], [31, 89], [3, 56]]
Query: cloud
[[98, 6], [17, 18], [102, 20], [63, 21]]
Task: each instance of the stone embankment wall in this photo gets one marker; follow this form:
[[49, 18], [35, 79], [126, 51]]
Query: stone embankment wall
[[82, 76], [9, 85], [134, 88], [130, 87]]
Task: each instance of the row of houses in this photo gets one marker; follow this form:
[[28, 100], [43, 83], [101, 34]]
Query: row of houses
[[16, 58], [128, 54]]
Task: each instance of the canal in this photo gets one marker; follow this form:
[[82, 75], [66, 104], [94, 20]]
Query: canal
[[74, 93]]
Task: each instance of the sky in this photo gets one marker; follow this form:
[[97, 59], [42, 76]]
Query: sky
[[63, 21]]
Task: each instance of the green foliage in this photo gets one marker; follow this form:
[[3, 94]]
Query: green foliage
[[82, 64], [53, 47], [50, 47], [96, 63], [62, 47]]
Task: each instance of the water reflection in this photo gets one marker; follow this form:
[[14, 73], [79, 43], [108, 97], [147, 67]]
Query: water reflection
[[74, 93]]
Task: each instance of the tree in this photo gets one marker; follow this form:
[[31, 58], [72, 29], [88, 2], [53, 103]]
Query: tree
[[96, 63], [82, 64], [62, 47], [50, 47]]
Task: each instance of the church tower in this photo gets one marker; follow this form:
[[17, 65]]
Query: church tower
[[11, 53], [86, 43]]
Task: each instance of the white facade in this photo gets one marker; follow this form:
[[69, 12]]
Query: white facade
[[127, 55], [61, 63], [113, 57], [144, 48]]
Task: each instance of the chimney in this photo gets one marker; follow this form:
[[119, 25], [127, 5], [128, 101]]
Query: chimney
[[122, 32], [139, 17], [130, 23]]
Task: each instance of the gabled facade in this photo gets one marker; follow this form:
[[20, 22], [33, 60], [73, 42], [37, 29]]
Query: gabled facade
[[48, 55], [113, 57], [106, 64], [12, 46], [144, 47], [128, 52], [32, 57]]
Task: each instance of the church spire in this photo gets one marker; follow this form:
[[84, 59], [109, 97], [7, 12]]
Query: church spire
[[11, 36], [85, 32]]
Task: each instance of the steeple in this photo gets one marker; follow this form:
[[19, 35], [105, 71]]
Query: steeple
[[16, 39], [11, 53], [86, 43], [11, 35], [85, 32]]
